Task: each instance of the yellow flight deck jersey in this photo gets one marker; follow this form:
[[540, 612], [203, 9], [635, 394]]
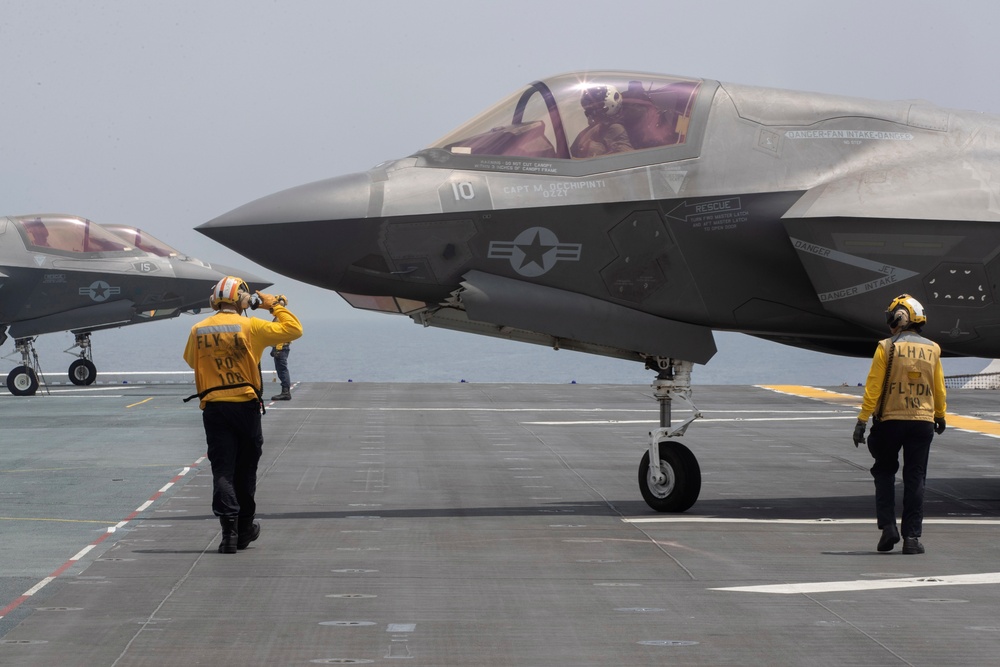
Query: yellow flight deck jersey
[[915, 387], [225, 350]]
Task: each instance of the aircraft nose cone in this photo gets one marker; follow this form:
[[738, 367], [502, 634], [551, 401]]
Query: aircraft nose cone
[[296, 232], [330, 199], [254, 281], [195, 280]]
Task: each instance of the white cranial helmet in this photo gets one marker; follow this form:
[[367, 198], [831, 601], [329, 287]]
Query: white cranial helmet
[[601, 101]]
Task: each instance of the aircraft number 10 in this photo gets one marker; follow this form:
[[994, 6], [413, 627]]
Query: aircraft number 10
[[463, 190]]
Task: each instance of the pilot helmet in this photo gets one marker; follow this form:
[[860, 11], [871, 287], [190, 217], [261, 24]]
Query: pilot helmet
[[230, 290], [601, 101], [904, 312]]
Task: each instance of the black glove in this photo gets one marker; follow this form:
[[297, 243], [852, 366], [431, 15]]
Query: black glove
[[939, 425], [859, 433]]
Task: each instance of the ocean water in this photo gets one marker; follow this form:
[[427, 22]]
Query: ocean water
[[367, 347]]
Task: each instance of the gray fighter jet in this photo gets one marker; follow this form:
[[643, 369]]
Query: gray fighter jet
[[632, 214], [66, 273]]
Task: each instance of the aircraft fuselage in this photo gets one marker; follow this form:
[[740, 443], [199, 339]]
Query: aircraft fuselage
[[792, 216]]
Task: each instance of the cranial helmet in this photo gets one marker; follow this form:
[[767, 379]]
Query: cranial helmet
[[601, 101], [904, 311], [230, 290]]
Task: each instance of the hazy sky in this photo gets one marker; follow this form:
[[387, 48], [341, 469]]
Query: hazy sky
[[164, 114]]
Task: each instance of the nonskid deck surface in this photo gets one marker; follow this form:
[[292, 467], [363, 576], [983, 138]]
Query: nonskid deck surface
[[486, 524]]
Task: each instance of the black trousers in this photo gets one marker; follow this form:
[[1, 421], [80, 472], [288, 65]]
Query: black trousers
[[235, 442], [887, 438]]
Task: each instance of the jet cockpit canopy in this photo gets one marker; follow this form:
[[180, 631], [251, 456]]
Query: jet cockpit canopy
[[584, 115], [68, 235], [142, 240]]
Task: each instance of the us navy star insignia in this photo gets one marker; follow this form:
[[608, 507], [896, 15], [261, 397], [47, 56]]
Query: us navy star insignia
[[99, 291], [535, 251]]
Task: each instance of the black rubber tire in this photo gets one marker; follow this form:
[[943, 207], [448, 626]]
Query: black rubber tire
[[683, 483], [22, 381], [82, 372]]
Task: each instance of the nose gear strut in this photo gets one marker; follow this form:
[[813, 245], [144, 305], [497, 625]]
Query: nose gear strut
[[669, 474], [82, 371]]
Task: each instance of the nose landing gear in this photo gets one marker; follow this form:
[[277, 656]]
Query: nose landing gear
[[82, 371], [669, 474]]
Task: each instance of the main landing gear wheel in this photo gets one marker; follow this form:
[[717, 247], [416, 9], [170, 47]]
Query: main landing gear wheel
[[22, 381], [82, 372], [681, 479]]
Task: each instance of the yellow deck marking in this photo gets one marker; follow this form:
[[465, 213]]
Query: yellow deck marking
[[813, 392], [39, 518], [984, 426], [140, 402], [974, 424]]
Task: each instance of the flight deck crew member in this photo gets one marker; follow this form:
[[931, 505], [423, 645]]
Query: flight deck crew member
[[225, 350], [280, 354], [906, 396]]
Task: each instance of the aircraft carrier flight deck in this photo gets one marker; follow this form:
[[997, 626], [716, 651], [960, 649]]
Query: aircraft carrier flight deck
[[488, 524]]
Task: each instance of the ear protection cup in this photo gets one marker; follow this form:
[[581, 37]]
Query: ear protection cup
[[243, 298], [904, 311]]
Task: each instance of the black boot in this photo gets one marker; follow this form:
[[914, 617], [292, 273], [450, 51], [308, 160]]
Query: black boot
[[249, 531], [285, 395], [890, 536], [229, 535]]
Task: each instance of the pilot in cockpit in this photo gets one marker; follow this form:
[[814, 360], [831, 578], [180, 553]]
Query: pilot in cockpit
[[605, 133], [38, 233]]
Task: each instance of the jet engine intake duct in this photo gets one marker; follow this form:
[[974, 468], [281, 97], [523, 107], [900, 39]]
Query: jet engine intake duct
[[568, 315]]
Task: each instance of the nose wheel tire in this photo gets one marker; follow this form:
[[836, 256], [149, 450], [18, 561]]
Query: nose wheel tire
[[22, 381], [82, 372], [682, 479]]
